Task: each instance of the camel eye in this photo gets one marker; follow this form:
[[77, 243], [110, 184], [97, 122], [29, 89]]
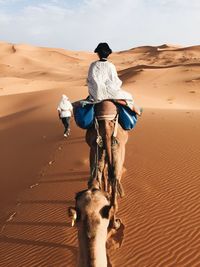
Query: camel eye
[[105, 212]]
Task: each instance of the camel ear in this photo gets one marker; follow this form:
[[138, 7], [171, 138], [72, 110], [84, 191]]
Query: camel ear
[[105, 212], [72, 215]]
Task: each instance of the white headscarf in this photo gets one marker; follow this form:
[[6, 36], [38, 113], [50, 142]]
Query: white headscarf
[[64, 104]]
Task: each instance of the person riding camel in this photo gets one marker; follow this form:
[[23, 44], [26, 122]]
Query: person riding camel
[[103, 81]]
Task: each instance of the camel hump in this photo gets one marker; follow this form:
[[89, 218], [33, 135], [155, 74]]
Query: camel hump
[[105, 110]]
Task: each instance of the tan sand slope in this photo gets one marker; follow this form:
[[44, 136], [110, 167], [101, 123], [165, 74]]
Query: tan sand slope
[[161, 77], [41, 172]]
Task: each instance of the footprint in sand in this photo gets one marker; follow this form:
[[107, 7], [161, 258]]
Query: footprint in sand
[[11, 216], [42, 173], [33, 185], [82, 162], [170, 100]]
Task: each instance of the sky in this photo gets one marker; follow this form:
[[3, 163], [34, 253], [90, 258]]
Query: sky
[[82, 24]]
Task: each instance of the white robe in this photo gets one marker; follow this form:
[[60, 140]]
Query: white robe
[[104, 83], [65, 107]]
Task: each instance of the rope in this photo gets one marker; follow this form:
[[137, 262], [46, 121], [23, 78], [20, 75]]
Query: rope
[[99, 142], [116, 126]]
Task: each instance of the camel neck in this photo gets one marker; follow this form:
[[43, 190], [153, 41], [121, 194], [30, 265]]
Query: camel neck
[[92, 251]]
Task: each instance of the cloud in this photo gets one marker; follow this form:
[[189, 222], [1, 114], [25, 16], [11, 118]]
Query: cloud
[[80, 25]]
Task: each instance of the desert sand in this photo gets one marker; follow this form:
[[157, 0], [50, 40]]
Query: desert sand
[[41, 171]]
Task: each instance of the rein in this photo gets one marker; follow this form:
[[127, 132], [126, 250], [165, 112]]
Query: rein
[[100, 144]]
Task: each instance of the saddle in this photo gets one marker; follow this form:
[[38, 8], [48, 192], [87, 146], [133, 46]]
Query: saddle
[[105, 110]]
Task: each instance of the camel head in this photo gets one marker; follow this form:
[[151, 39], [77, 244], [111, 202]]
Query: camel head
[[92, 214], [91, 205]]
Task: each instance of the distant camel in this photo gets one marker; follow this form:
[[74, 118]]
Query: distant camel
[[107, 142], [92, 214]]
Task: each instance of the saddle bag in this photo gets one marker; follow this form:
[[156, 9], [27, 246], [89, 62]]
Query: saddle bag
[[127, 117], [83, 114]]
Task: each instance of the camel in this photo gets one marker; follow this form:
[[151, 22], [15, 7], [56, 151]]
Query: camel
[[107, 141], [91, 215]]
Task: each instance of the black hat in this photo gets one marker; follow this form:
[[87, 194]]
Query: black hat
[[103, 47]]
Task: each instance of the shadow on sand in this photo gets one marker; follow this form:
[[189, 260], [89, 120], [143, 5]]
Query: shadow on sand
[[114, 242]]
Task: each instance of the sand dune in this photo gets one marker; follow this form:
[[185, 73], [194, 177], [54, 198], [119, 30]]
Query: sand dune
[[41, 172]]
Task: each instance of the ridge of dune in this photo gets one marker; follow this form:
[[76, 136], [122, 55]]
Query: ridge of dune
[[25, 68], [190, 48], [150, 48]]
